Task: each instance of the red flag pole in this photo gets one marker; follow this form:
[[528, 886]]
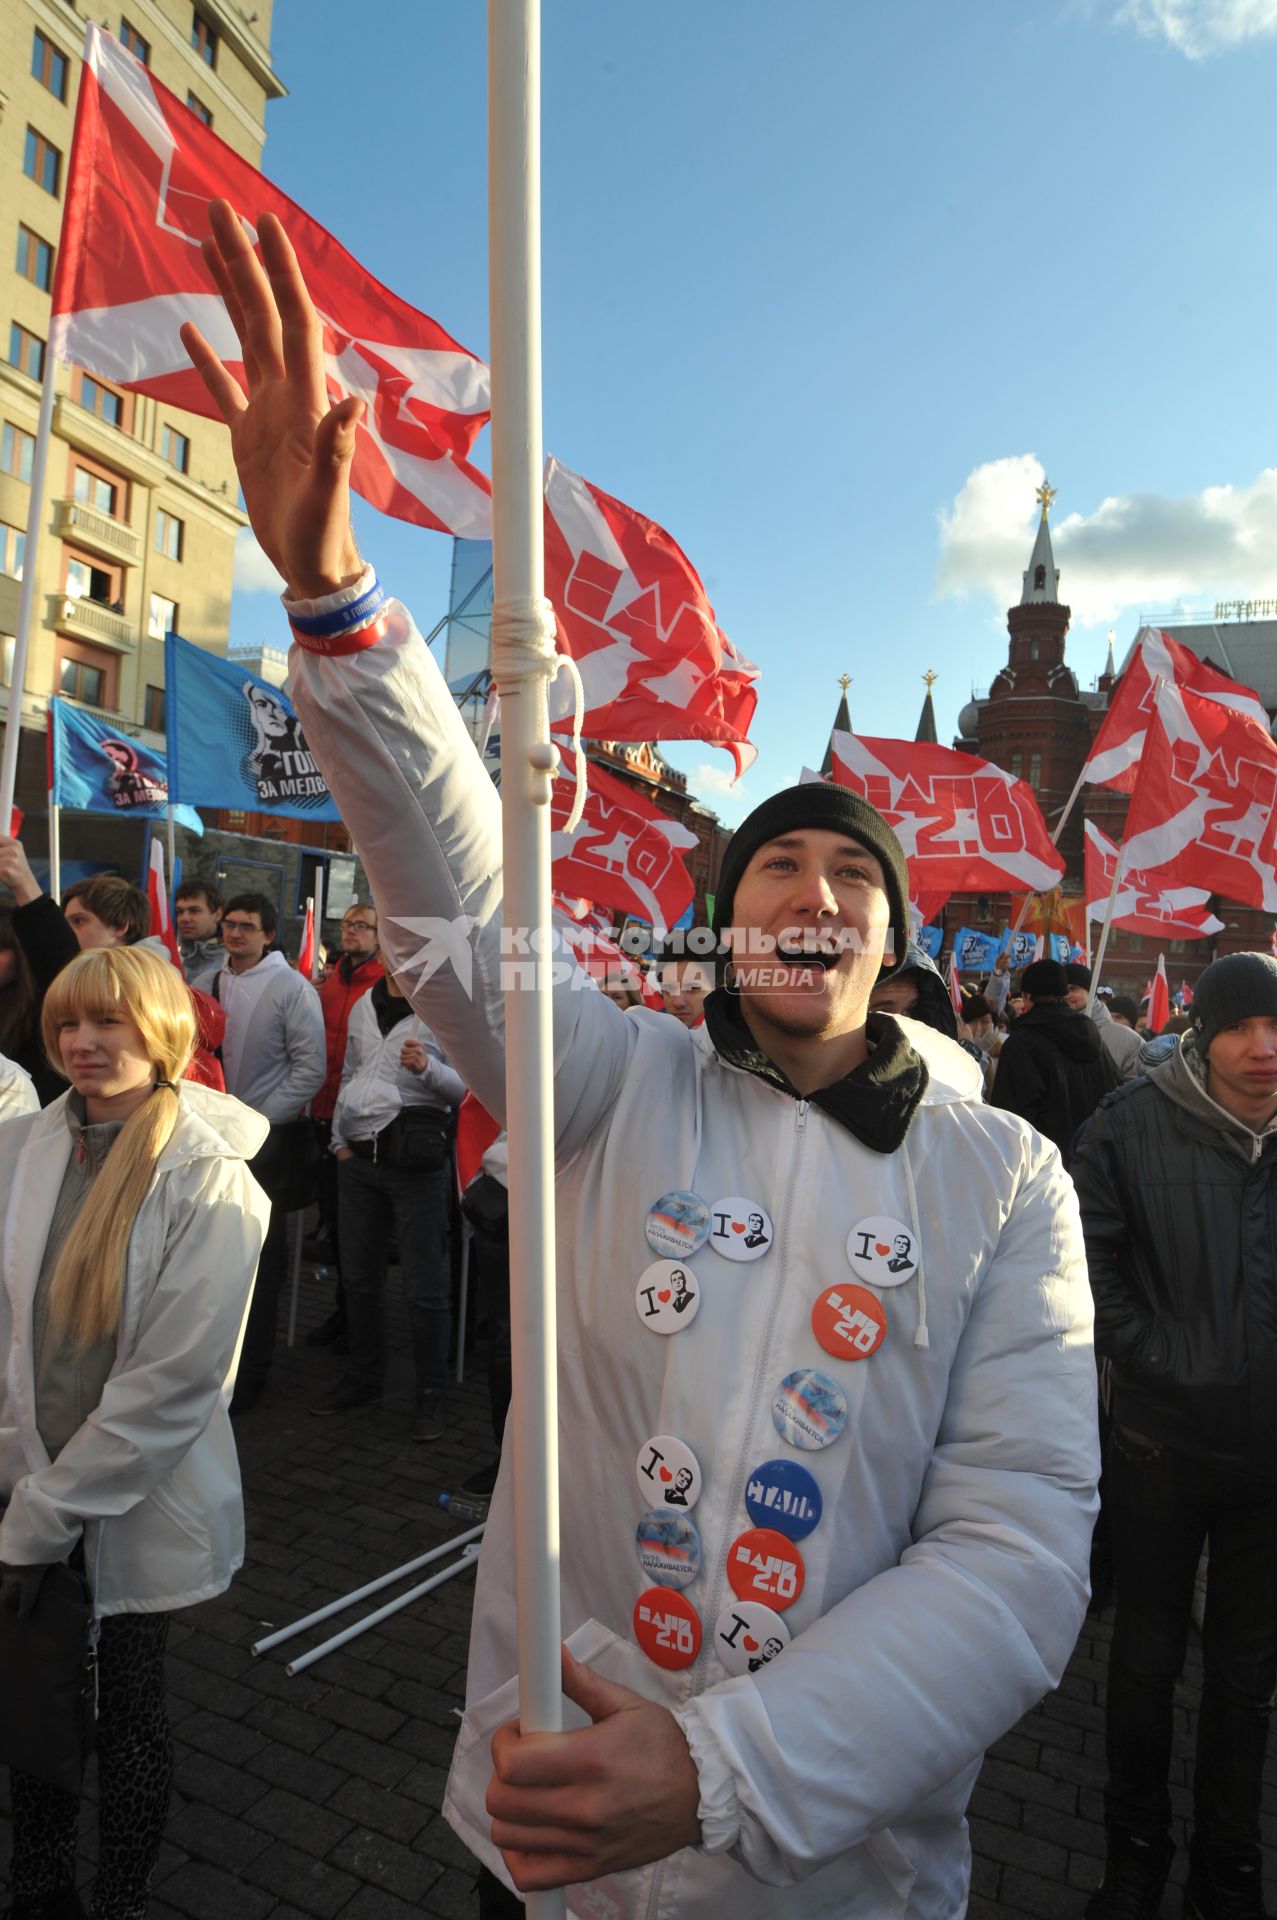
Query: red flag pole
[[523, 664]]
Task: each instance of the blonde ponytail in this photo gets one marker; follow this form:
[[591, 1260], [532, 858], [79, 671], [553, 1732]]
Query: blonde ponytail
[[87, 1290]]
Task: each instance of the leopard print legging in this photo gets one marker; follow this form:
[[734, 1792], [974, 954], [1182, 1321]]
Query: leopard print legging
[[135, 1773]]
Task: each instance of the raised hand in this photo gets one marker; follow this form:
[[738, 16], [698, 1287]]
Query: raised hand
[[292, 449]]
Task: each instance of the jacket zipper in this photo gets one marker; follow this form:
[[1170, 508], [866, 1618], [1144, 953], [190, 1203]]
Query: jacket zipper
[[760, 1377]]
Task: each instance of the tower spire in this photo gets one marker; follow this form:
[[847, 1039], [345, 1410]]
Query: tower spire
[[927, 719], [842, 724], [1042, 578]]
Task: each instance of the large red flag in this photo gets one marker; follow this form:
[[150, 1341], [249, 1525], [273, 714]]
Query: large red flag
[[962, 821], [625, 852], [633, 614], [1204, 808], [1148, 900], [143, 171], [1114, 758]]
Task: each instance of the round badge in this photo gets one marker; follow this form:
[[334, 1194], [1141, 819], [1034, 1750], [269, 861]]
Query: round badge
[[668, 1297], [668, 1474], [883, 1251], [849, 1322], [748, 1635], [667, 1627], [763, 1565], [783, 1495], [739, 1229], [810, 1409], [678, 1225], [669, 1548]]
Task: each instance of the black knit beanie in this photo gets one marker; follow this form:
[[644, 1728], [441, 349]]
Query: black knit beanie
[[1044, 980], [1240, 986], [817, 804]]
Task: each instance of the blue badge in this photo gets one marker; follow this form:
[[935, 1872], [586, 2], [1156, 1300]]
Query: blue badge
[[669, 1548], [809, 1409], [782, 1495], [678, 1225]]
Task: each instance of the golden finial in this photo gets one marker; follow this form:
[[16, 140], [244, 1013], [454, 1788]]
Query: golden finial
[[1046, 494], [930, 679], [844, 681]]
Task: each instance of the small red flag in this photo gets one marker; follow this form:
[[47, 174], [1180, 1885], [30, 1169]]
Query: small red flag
[[157, 894], [1159, 1000], [306, 958]]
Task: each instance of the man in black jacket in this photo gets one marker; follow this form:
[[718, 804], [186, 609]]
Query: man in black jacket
[[1053, 1070], [1177, 1178]]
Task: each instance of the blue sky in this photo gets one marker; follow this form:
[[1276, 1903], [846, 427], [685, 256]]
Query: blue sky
[[828, 289]]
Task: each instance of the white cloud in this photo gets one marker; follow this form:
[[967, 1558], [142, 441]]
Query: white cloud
[[1199, 28], [714, 783], [253, 571], [1138, 550]]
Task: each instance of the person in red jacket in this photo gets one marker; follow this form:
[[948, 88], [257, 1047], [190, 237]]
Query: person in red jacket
[[358, 969]]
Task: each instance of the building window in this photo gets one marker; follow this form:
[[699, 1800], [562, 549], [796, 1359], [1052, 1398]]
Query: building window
[[89, 579], [26, 352], [137, 46], [35, 259], [49, 65], [168, 534], [82, 676], [13, 545], [96, 490], [204, 39], [1135, 943], [1179, 946], [162, 618], [198, 108], [153, 714], [1033, 648], [42, 162], [17, 451], [1039, 580], [106, 402], [1016, 765], [1035, 771], [175, 448]]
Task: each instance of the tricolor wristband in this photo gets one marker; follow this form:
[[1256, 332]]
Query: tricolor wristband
[[342, 620], [336, 644]]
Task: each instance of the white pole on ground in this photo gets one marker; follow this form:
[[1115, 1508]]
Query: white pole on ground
[[26, 597], [522, 663], [467, 1563], [362, 1593]]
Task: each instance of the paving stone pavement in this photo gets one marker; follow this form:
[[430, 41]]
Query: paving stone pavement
[[318, 1795]]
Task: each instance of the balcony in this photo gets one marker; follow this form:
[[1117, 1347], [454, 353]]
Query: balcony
[[90, 620], [88, 528]]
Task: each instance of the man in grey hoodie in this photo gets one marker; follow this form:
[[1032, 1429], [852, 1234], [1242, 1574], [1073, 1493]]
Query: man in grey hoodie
[[1177, 1179]]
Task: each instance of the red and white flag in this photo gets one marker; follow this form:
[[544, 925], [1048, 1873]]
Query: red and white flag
[[1120, 741], [962, 821], [1185, 996], [1204, 808], [603, 960], [306, 958], [143, 171], [157, 895], [955, 989], [1148, 901], [625, 852], [1159, 999], [634, 616]]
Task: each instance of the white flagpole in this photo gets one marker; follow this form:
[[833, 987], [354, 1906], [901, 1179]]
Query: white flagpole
[[1105, 930], [523, 664], [319, 922], [26, 598], [55, 847]]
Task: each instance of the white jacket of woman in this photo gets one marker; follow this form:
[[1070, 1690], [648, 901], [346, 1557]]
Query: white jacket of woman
[[152, 1476], [947, 1579], [375, 1087]]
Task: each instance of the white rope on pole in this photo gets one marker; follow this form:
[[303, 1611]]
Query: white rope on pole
[[523, 662], [26, 597], [467, 1563], [362, 1593]]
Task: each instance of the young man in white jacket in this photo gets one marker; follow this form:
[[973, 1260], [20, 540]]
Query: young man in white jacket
[[274, 1058], [881, 1562]]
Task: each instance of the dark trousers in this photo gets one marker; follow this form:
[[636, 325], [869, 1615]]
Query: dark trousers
[[330, 1208], [492, 1263], [414, 1201], [1162, 1507], [259, 1335], [135, 1773]]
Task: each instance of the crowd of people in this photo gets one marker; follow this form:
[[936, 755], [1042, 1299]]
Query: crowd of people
[[834, 1267]]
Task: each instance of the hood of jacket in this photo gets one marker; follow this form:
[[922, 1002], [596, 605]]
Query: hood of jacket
[[1072, 1032], [934, 1007], [208, 1124], [1184, 1077]]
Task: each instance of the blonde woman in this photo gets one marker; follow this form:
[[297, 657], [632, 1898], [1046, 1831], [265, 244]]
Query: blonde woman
[[131, 1230]]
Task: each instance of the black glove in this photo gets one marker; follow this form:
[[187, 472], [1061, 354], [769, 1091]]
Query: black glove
[[20, 1588]]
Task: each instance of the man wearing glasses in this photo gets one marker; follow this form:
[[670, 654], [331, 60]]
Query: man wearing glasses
[[358, 968]]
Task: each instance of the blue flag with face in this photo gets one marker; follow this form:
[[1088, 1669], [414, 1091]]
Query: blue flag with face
[[974, 952], [97, 769], [235, 741]]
